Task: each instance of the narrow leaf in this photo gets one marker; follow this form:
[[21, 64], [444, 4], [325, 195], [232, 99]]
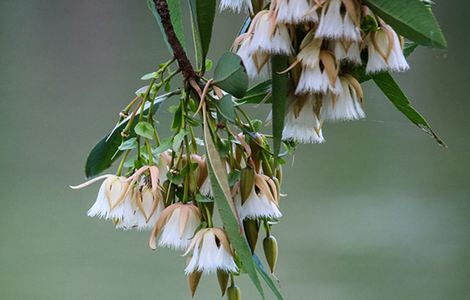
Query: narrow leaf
[[411, 19], [266, 277], [279, 96], [226, 207], [202, 17], [393, 92]]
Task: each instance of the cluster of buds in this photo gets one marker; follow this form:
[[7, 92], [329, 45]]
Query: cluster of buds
[[173, 198], [324, 40]]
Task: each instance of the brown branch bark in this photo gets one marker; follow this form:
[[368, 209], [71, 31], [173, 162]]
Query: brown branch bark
[[178, 51]]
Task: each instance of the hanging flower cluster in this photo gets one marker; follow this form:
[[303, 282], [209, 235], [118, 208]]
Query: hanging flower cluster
[[324, 40], [210, 196]]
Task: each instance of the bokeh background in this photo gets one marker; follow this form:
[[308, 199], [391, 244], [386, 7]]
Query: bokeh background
[[378, 212]]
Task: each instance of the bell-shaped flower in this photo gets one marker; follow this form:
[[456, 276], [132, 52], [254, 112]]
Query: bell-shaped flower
[[346, 51], [255, 62], [176, 226], [262, 201], [301, 122], [385, 51], [142, 210], [347, 105], [211, 252], [269, 37], [236, 5], [320, 75], [294, 11], [112, 193], [334, 25]]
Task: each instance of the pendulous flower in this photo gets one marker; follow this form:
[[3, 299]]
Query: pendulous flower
[[347, 105], [176, 226], [211, 252], [385, 51], [262, 201], [301, 122]]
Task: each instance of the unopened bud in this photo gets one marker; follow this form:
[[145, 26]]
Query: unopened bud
[[270, 251], [222, 277], [251, 232], [193, 280], [247, 182], [233, 293]]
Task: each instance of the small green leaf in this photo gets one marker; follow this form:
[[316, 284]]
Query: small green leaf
[[209, 64], [279, 97], [230, 75], [393, 92], [144, 129], [226, 208], [411, 19], [178, 139], [203, 199], [227, 107], [257, 94], [202, 17], [149, 76], [106, 151], [129, 144], [164, 145]]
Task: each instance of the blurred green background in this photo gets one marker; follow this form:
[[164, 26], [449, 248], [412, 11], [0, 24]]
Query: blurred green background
[[378, 212]]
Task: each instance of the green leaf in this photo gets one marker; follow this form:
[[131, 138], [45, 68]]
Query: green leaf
[[106, 151], [227, 107], [226, 208], [144, 129], [174, 6], [393, 92], [202, 18], [230, 75], [411, 19], [178, 139], [279, 96], [257, 94], [129, 144], [266, 277]]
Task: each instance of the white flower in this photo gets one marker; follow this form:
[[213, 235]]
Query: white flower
[[301, 122], [236, 5], [346, 50], [211, 252], [255, 62], [177, 224], [269, 37], [295, 11], [385, 51], [345, 106], [334, 25], [321, 77], [263, 201], [112, 194], [142, 210]]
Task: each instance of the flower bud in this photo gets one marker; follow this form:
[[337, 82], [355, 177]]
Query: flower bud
[[247, 181], [233, 293], [270, 251], [222, 277], [193, 280], [251, 232]]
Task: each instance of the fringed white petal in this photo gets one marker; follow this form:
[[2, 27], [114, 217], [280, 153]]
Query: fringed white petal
[[267, 40], [295, 11], [304, 128], [331, 21], [236, 5], [170, 236], [346, 106]]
